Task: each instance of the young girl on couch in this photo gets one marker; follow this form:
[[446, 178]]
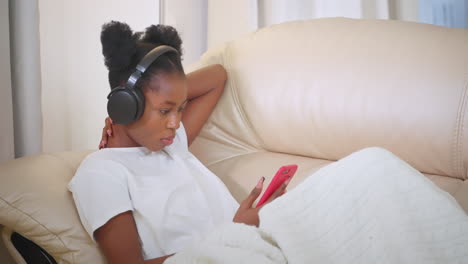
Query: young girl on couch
[[145, 196]]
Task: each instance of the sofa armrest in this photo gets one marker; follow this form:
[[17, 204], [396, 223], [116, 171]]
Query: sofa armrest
[[35, 202]]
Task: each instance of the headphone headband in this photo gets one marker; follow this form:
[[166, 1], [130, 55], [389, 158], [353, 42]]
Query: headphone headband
[[149, 58]]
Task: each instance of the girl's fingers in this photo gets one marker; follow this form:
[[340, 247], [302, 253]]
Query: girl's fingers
[[108, 126], [106, 132], [280, 191], [103, 142], [248, 202]]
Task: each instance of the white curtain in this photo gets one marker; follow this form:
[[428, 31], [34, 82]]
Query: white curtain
[[207, 23], [6, 106], [23, 21]]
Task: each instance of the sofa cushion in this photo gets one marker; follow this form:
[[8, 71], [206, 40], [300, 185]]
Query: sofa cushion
[[241, 173]]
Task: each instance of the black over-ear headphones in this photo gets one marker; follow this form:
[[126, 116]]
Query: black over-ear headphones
[[126, 103]]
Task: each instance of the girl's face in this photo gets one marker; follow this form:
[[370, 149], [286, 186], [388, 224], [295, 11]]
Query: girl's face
[[165, 99]]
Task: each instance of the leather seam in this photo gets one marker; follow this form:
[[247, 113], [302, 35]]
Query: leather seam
[[40, 224], [238, 140], [266, 151], [462, 130], [231, 157], [457, 161], [237, 104], [454, 145]]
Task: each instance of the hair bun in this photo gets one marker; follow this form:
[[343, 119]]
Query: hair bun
[[118, 45], [163, 35]]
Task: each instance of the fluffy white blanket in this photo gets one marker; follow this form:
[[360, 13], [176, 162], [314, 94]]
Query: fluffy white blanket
[[370, 207]]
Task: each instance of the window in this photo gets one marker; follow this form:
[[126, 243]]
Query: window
[[449, 13]]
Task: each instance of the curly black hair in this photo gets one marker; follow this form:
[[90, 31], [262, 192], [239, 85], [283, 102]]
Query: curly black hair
[[123, 49]]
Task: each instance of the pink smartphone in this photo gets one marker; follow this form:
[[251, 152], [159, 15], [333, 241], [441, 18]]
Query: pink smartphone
[[284, 173]]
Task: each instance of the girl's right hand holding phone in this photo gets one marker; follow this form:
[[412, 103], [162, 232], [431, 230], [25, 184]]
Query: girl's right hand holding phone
[[246, 213]]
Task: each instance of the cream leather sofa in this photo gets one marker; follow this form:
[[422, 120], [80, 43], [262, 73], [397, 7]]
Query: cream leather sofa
[[307, 93]]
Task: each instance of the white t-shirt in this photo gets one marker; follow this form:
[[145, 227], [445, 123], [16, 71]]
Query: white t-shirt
[[174, 198]]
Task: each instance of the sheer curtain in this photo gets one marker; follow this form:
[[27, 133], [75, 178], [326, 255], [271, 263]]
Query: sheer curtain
[[21, 80], [6, 106], [449, 13], [207, 23]]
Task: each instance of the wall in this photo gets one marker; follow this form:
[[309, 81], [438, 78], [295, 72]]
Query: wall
[[74, 78]]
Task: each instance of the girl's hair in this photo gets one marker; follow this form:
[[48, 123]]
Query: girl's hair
[[123, 49]]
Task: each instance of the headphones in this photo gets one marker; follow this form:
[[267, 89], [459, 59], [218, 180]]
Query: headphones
[[126, 103]]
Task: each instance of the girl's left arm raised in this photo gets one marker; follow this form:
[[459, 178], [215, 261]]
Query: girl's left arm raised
[[205, 87]]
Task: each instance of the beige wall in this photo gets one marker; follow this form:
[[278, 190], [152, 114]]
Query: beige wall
[[6, 110], [74, 78]]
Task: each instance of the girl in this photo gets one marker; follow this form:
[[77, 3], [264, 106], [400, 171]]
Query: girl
[[145, 196]]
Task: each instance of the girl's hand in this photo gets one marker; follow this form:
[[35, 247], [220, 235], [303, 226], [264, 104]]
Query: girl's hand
[[106, 133], [246, 213]]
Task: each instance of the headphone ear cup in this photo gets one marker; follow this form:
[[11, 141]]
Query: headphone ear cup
[[125, 105], [140, 98]]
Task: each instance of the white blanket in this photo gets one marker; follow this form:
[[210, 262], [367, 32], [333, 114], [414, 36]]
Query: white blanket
[[369, 207]]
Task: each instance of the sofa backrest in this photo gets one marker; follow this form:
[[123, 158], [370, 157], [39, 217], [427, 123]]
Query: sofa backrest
[[328, 87]]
